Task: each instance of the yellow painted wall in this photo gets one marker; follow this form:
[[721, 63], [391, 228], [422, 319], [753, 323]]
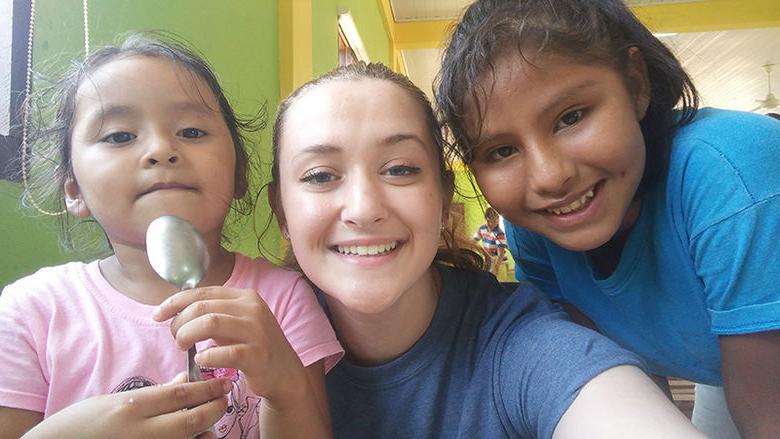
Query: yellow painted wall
[[308, 32]]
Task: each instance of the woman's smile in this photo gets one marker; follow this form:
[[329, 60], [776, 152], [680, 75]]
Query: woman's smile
[[364, 194], [367, 250]]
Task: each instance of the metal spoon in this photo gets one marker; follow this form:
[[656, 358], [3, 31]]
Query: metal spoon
[[177, 253]]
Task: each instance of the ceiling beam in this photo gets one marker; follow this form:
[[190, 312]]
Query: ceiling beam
[[396, 60], [422, 34], [704, 16], [712, 15]]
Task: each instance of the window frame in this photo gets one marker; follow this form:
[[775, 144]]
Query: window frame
[[10, 145], [347, 54]]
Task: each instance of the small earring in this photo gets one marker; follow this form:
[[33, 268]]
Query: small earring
[[285, 234]]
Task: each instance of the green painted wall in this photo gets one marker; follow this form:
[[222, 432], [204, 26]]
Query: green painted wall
[[239, 38], [27, 243], [370, 24], [468, 194]]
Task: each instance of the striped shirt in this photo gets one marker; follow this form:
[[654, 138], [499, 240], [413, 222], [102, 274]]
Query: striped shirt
[[491, 239]]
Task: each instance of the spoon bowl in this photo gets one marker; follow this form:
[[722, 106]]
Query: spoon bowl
[[178, 254], [176, 251]]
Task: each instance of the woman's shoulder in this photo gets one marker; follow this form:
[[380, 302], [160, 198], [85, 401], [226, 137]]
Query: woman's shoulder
[[496, 302], [466, 281]]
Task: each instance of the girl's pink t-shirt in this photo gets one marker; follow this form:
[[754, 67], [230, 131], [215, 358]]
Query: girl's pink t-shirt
[[67, 335]]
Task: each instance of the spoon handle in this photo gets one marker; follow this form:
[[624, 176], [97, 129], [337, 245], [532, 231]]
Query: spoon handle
[[193, 370]]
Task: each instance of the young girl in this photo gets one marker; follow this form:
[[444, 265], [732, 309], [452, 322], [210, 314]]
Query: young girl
[[656, 223], [145, 130], [435, 347]]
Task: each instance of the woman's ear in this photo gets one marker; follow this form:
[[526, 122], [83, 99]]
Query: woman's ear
[[639, 81], [74, 202]]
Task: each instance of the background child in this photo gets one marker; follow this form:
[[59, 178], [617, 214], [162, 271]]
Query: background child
[[144, 130], [493, 241], [435, 347], [655, 223]]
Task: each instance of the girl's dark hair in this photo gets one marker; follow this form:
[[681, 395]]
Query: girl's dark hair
[[453, 250], [592, 31], [51, 144]]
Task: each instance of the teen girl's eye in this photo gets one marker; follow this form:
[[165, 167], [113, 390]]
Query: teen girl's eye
[[569, 119], [118, 137], [501, 152], [192, 133], [317, 177], [402, 171]]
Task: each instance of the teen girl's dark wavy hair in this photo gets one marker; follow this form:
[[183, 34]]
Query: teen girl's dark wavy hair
[[453, 251], [591, 31]]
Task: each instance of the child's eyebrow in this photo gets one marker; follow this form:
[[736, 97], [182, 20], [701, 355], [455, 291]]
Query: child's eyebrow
[[192, 107], [559, 98], [106, 112], [568, 93], [97, 117], [110, 111]]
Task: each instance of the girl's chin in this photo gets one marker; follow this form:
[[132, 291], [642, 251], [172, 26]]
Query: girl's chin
[[580, 242]]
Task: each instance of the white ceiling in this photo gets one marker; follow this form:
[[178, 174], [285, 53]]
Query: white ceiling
[[726, 66], [416, 10]]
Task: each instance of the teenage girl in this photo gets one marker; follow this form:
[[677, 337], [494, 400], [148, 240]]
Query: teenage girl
[[435, 347], [652, 221], [144, 130]]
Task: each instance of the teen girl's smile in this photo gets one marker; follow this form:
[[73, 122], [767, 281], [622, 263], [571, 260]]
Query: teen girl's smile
[[560, 151], [368, 256], [362, 248], [361, 193], [573, 210]]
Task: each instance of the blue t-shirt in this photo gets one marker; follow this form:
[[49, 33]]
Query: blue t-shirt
[[492, 364], [702, 260]]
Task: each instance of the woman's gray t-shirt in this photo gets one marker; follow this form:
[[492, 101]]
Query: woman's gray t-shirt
[[494, 363]]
